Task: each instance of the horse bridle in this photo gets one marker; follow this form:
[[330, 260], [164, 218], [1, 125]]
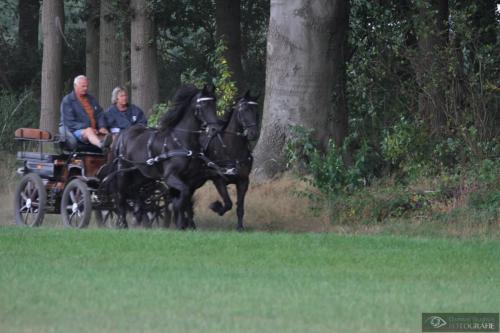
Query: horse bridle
[[241, 120], [201, 115]]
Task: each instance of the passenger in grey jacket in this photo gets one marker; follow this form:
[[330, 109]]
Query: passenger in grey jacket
[[121, 115], [82, 115]]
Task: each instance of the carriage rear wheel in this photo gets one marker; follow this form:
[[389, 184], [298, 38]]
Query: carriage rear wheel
[[76, 205], [30, 201]]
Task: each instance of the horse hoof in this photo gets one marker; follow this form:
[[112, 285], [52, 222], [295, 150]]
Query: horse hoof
[[240, 228], [217, 207]]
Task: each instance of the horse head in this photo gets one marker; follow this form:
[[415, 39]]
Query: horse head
[[246, 112], [206, 110]]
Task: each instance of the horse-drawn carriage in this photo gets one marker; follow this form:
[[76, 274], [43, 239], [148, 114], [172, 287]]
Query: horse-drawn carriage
[[148, 174], [61, 176]]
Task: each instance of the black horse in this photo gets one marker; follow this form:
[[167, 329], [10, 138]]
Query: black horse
[[144, 155], [228, 158]]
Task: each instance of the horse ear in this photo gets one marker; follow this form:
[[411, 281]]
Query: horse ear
[[247, 95], [209, 89]]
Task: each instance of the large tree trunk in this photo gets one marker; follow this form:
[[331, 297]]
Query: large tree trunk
[[299, 75], [109, 52], [340, 123], [143, 57], [228, 17], [92, 47], [53, 26], [430, 64]]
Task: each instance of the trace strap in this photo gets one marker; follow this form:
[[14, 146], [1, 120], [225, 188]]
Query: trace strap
[[169, 154]]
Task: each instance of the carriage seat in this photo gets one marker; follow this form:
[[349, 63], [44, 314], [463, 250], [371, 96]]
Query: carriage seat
[[69, 143]]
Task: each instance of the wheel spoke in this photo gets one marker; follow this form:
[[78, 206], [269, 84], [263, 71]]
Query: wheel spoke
[[71, 219], [21, 210], [72, 196], [34, 195], [28, 189]]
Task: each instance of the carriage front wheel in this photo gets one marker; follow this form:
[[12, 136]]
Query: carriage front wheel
[[76, 205], [30, 201]]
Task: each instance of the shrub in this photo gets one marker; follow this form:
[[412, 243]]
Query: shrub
[[16, 110], [327, 170]]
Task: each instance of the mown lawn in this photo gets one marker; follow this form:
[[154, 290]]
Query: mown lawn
[[57, 280]]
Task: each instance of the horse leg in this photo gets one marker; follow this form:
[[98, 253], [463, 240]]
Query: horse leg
[[121, 204], [217, 206], [179, 203], [190, 212], [241, 190]]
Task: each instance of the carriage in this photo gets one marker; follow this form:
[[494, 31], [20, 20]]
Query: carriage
[[151, 171], [61, 176]]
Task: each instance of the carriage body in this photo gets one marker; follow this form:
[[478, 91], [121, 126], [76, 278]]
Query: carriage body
[[47, 167], [66, 179]]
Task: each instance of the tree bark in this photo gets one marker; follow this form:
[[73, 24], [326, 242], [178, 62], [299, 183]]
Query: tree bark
[[340, 121], [92, 47], [228, 20], [29, 12], [429, 63], [53, 27], [125, 49], [143, 57], [109, 52], [299, 81]]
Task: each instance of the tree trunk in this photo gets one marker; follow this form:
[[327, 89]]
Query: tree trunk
[[228, 18], [340, 123], [53, 27], [430, 65], [299, 74], [92, 47], [109, 52], [29, 12], [143, 57], [125, 50]]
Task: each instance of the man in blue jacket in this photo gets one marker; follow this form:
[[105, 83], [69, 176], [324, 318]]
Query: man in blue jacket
[[121, 114], [82, 115]]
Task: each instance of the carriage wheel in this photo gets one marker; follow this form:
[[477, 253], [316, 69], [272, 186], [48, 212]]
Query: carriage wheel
[[106, 218], [76, 207], [30, 201], [160, 216]]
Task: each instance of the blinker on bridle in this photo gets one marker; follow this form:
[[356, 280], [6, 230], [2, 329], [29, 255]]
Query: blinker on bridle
[[200, 115]]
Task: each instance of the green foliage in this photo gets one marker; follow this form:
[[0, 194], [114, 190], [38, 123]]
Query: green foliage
[[383, 88], [406, 145], [158, 111], [16, 111], [327, 170], [226, 87], [221, 77]]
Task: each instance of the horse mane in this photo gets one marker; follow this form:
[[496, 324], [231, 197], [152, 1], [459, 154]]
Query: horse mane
[[182, 99]]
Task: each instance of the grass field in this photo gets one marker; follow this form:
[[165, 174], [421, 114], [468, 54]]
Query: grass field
[[58, 280]]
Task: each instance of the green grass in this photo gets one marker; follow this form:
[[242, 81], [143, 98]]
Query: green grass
[[57, 280]]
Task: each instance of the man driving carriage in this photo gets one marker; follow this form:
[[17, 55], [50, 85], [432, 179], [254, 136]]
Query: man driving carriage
[[82, 115]]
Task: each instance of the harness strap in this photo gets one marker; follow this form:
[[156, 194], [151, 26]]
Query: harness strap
[[150, 144], [114, 173], [166, 155], [211, 164]]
